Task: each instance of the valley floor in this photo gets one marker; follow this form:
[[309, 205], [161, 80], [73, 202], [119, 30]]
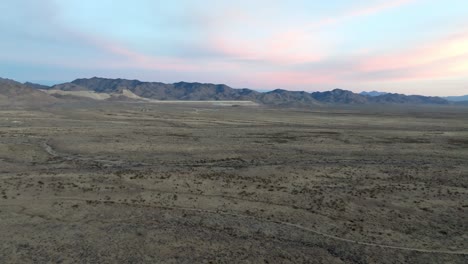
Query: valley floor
[[182, 183]]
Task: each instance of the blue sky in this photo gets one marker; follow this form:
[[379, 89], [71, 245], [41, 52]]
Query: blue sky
[[405, 46]]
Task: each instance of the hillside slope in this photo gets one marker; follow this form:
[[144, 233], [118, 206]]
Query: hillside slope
[[13, 93]]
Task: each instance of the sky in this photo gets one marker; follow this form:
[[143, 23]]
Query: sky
[[402, 46]]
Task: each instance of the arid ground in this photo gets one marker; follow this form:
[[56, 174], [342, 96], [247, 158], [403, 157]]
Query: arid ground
[[182, 183]]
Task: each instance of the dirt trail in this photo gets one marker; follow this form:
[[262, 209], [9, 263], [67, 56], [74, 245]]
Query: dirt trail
[[433, 251], [50, 150], [78, 158]]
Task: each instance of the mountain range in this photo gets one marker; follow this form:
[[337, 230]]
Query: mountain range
[[121, 89], [13, 93], [372, 93], [457, 98], [460, 99]]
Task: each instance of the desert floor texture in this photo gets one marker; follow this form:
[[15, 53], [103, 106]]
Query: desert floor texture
[[182, 183]]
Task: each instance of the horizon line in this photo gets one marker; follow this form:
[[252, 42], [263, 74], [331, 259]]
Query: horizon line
[[50, 83]]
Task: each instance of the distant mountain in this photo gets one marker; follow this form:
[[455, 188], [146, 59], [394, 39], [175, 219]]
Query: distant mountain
[[13, 93], [36, 86], [281, 97], [394, 98], [118, 89], [4, 82], [338, 96], [457, 98], [372, 93], [160, 91]]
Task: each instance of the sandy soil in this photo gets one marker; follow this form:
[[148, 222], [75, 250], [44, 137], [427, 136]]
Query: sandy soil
[[151, 183]]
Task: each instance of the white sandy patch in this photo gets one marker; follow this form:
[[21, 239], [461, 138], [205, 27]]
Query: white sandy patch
[[88, 94]]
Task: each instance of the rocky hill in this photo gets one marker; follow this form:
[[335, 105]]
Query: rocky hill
[[338, 96], [36, 86], [206, 91], [13, 93], [372, 93], [281, 97], [393, 98]]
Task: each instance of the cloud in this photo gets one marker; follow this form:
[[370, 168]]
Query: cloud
[[279, 49], [370, 10], [360, 12], [267, 44], [292, 79], [298, 45], [446, 57], [441, 58]]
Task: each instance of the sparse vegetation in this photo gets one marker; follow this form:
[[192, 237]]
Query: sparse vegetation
[[185, 183]]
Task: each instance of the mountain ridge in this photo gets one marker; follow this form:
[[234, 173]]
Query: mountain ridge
[[462, 98], [372, 93], [13, 93], [111, 89], [195, 91]]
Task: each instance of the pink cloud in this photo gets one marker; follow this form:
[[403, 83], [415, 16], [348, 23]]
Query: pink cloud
[[133, 58], [295, 46], [290, 47], [123, 57], [280, 49], [291, 79], [378, 8], [455, 67], [441, 58]]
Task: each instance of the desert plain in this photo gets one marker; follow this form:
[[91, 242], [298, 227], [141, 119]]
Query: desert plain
[[126, 182]]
